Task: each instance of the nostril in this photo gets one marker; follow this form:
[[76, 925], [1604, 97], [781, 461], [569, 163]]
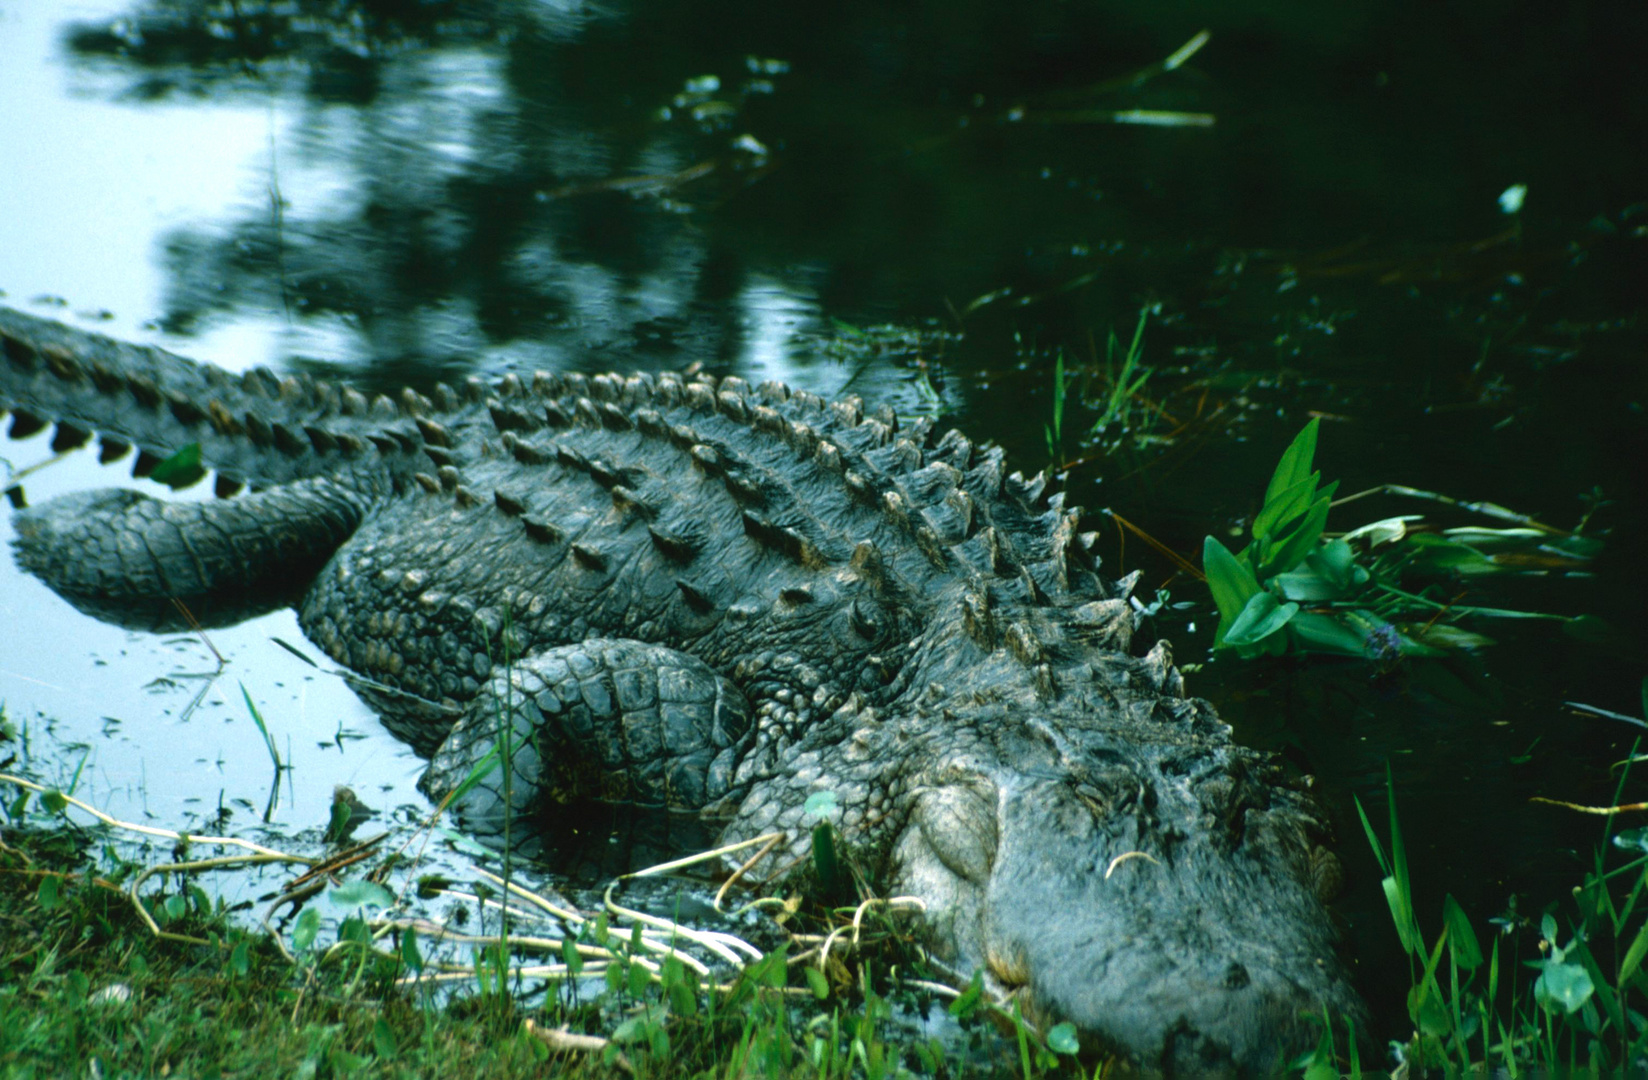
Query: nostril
[[1236, 976]]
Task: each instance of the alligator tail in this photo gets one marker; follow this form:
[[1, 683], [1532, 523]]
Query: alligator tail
[[253, 429]]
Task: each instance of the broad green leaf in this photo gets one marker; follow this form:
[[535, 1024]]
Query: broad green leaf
[[411, 955], [383, 1040], [354, 894], [1488, 540], [1230, 581], [1308, 586], [1444, 636], [1289, 549], [181, 469], [1437, 554], [816, 982], [1335, 561], [1563, 984], [572, 958], [963, 1006], [1062, 1039], [1462, 943], [1261, 617], [1296, 461], [1279, 511], [1633, 956], [308, 926], [53, 801], [1385, 531], [1329, 634]]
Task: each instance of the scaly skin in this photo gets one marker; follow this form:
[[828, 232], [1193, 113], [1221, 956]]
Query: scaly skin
[[725, 599]]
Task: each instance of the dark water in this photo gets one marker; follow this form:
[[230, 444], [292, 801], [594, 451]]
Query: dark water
[[411, 191]]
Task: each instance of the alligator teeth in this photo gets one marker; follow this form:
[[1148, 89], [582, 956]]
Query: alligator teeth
[[695, 599], [25, 424], [225, 487], [589, 558], [69, 437], [110, 449]]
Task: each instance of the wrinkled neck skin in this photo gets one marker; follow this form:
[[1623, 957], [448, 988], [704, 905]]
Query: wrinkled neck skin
[[1098, 847]]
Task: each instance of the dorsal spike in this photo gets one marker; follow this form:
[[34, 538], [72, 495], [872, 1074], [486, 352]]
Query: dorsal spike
[[542, 531], [706, 459], [111, 449], [439, 455], [613, 418], [627, 501], [868, 563], [433, 433], [446, 398], [556, 416], [589, 558], [69, 437], [144, 464], [731, 405], [428, 483], [695, 599], [449, 477], [226, 487], [322, 440], [513, 505], [744, 491], [287, 441], [672, 546], [465, 499]]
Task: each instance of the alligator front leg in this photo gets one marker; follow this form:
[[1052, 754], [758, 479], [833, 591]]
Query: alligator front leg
[[608, 719]]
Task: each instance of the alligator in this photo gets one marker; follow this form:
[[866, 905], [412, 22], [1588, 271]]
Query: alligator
[[700, 594]]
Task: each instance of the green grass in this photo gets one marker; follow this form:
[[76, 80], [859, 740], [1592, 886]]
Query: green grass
[[88, 988]]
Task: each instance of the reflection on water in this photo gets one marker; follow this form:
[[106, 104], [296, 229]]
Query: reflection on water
[[406, 192]]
